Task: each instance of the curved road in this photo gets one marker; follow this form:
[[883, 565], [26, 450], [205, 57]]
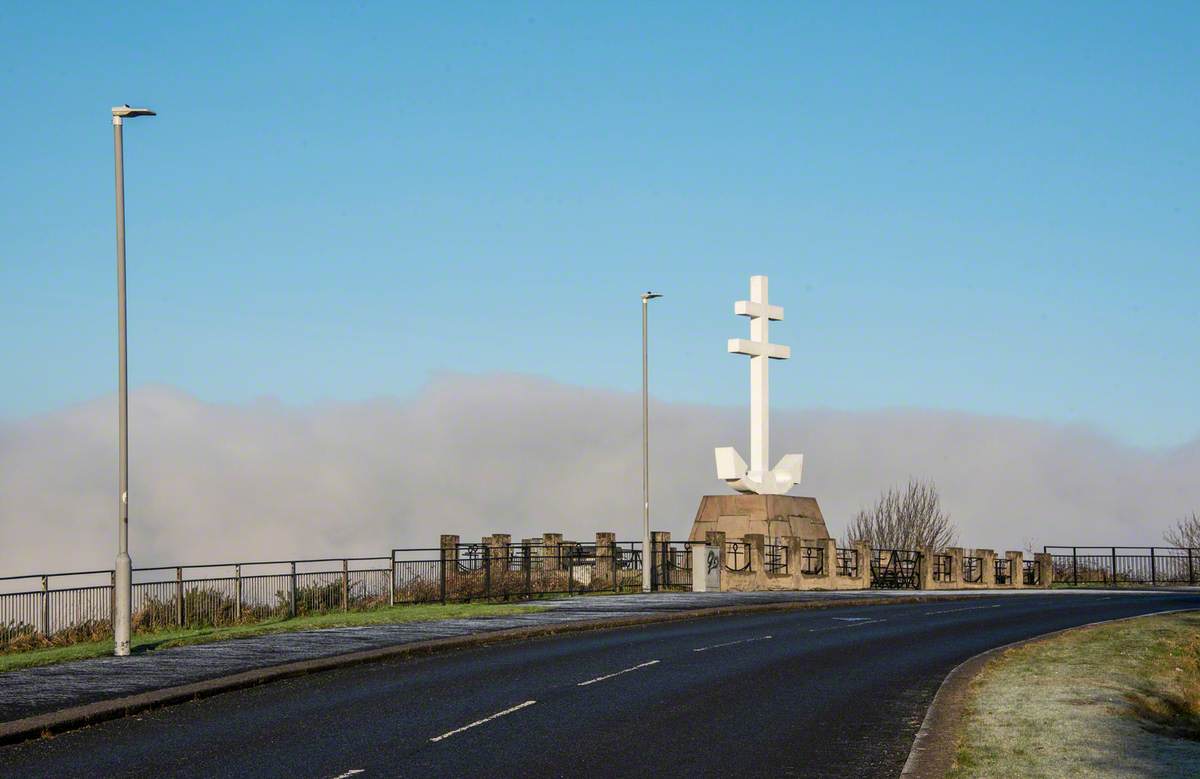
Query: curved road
[[829, 692]]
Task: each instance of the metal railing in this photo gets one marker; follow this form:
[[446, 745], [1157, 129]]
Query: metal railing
[[1031, 573], [1003, 570], [847, 563], [186, 596], [972, 572], [812, 562], [895, 569], [737, 556], [943, 568], [1116, 565], [775, 558]]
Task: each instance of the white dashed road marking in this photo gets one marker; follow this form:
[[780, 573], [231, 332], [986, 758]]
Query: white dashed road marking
[[965, 608], [618, 673], [847, 625], [350, 773], [481, 721], [731, 643]]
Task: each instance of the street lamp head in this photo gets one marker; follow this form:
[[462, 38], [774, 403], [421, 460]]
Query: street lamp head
[[650, 295], [122, 111]]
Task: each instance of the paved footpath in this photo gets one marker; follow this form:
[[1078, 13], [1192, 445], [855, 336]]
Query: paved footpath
[[32, 691]]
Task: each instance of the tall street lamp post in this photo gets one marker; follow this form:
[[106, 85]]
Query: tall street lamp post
[[646, 550], [123, 578]]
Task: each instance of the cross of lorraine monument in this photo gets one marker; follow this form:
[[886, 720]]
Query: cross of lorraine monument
[[763, 507]]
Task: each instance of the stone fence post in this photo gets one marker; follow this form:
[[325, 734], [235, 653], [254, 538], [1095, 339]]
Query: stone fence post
[[606, 560], [956, 565], [755, 544], [925, 572], [864, 563], [988, 558], [1016, 566], [714, 540], [660, 543], [550, 552], [1045, 569]]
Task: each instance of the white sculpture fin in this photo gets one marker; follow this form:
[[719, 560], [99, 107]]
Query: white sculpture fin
[[788, 470], [730, 465]]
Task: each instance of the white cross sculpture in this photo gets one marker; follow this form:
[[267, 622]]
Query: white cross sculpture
[[730, 466]]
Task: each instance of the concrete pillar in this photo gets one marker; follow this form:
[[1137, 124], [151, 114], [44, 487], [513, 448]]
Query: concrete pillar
[[715, 540], [450, 549], [1045, 564], [864, 563], [756, 542], [925, 571], [660, 539], [988, 556], [550, 544], [956, 565], [498, 544], [1016, 563], [795, 553], [605, 572]]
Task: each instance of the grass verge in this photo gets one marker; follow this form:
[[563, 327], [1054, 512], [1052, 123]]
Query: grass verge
[[1115, 700], [149, 642]]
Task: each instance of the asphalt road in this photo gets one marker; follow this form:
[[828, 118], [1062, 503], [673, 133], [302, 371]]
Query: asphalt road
[[829, 692]]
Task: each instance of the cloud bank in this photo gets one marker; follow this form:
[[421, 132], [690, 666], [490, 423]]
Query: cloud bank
[[498, 453]]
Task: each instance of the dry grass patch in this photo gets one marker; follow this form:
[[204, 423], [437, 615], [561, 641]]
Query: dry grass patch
[[1116, 700]]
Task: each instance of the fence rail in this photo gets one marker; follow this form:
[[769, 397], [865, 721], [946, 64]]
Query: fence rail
[[1116, 565]]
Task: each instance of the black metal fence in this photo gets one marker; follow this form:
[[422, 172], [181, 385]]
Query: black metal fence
[[847, 562], [775, 558], [1117, 565], [78, 606], [62, 608], [737, 556], [943, 568], [895, 569]]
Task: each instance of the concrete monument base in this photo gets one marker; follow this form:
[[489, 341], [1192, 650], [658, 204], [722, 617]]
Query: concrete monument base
[[771, 516]]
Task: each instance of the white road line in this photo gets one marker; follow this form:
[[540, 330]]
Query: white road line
[[847, 625], [731, 643], [481, 721], [965, 608], [350, 773], [618, 673]]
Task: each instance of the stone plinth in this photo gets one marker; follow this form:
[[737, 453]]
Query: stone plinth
[[771, 516]]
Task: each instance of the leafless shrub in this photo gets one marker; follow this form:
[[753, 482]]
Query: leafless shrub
[[1186, 533], [908, 518]]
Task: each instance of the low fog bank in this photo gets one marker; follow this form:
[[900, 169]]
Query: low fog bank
[[480, 454]]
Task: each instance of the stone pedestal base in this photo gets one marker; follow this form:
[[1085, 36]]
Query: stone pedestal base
[[772, 516]]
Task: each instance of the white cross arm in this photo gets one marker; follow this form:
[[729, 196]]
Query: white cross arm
[[759, 349], [752, 309]]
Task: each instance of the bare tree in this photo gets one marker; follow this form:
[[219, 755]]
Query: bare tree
[[1186, 533], [908, 518]]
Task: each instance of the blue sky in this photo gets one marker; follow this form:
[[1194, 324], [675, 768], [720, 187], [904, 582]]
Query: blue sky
[[981, 207]]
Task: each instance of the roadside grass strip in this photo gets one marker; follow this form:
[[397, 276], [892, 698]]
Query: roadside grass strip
[[617, 673], [1112, 700], [166, 639], [479, 722], [731, 643], [965, 608]]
